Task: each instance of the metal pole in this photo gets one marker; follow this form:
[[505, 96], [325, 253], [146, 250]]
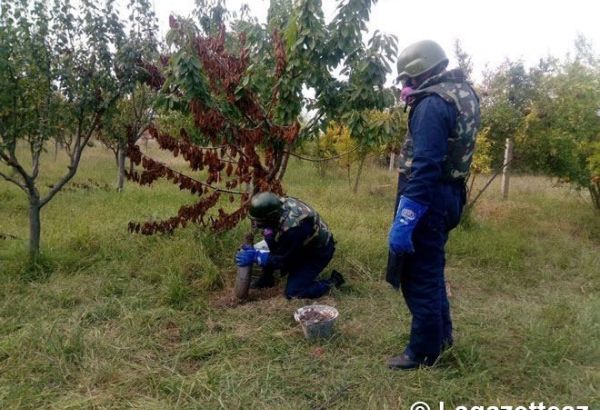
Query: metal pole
[[505, 171]]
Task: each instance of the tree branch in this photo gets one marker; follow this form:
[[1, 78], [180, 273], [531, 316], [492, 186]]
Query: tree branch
[[36, 162], [343, 154], [80, 145], [313, 122], [12, 161], [14, 181], [204, 184]]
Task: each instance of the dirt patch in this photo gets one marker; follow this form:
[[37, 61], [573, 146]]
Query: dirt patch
[[230, 301], [318, 352], [172, 332]]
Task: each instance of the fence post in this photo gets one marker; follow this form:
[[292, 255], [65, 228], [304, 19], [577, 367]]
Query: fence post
[[505, 172], [392, 161]]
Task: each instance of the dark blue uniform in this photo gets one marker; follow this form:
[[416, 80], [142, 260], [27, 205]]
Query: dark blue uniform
[[301, 261], [421, 274]]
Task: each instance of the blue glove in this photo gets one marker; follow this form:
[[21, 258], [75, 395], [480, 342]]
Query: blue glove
[[262, 257], [245, 257], [248, 255], [408, 214]]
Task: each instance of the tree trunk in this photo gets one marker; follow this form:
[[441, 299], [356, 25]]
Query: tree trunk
[[56, 145], [595, 194], [359, 172], [392, 161], [35, 228], [121, 163], [348, 174], [320, 164], [284, 164]]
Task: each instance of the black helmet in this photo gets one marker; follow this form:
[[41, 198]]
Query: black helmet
[[265, 209]]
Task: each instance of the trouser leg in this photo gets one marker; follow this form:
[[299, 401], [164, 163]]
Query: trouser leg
[[447, 339], [302, 281], [422, 281], [423, 289]]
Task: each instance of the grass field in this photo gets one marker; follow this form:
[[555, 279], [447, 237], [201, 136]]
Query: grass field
[[114, 320]]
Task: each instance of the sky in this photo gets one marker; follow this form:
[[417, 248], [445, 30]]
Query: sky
[[489, 31]]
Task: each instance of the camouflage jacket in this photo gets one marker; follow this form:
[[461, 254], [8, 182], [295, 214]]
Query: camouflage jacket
[[294, 213], [453, 88]]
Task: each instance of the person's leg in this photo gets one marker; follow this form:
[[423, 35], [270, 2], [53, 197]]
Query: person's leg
[[423, 283], [302, 284], [454, 198], [302, 281], [423, 287], [447, 339]]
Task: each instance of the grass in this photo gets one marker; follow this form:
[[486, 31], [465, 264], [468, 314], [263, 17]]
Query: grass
[[113, 320]]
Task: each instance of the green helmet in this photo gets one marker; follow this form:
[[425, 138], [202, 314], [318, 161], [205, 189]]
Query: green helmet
[[419, 58], [265, 208]]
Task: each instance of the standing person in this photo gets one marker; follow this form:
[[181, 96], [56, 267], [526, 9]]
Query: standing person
[[434, 163], [300, 245]]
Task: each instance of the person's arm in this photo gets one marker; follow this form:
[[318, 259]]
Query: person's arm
[[430, 126], [289, 244]]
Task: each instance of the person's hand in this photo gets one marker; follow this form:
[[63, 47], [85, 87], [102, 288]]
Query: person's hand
[[245, 256], [261, 257], [408, 214]]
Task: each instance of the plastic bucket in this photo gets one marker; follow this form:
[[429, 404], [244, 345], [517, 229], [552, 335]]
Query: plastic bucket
[[316, 320]]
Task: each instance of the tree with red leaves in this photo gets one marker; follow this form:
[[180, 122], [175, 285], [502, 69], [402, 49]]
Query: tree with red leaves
[[242, 83]]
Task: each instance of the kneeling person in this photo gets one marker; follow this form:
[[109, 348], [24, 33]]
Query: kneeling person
[[300, 244]]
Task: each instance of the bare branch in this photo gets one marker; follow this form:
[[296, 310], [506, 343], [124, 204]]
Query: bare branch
[[12, 161], [312, 123], [343, 154], [80, 145], [14, 181], [36, 161]]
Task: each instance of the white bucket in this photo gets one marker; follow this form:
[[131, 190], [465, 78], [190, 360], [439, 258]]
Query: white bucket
[[316, 320]]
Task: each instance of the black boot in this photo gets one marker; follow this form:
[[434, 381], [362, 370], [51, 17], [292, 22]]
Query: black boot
[[266, 280], [336, 279], [403, 362]]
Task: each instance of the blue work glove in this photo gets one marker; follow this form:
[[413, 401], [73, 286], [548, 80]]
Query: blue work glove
[[262, 257], [408, 214], [245, 256], [248, 255]]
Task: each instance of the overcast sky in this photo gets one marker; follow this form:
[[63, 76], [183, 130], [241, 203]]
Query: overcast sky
[[488, 30]]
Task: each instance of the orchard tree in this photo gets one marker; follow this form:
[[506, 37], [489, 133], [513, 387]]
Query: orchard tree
[[385, 130], [463, 59], [253, 91], [505, 101], [129, 119], [62, 69], [561, 137], [374, 132]]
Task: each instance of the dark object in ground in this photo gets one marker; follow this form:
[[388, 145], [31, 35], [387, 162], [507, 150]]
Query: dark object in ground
[[244, 273]]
